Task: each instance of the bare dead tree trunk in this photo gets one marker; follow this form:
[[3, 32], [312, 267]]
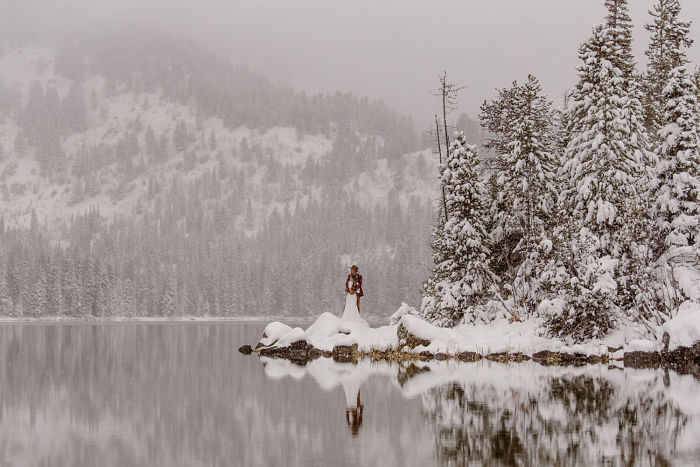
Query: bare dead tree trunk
[[445, 90], [444, 198], [448, 93]]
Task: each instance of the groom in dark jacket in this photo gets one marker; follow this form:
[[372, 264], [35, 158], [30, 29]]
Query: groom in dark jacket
[[358, 292]]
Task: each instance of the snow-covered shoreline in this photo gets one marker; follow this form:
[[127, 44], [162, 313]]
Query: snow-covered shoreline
[[409, 337]]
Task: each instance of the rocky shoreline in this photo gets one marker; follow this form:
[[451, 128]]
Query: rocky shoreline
[[684, 360]]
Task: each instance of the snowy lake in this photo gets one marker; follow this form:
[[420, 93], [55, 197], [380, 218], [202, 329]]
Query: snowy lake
[[180, 394]]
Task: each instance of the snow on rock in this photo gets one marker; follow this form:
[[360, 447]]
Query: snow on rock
[[641, 345], [500, 336], [273, 332], [403, 309], [688, 279], [329, 331], [684, 329]]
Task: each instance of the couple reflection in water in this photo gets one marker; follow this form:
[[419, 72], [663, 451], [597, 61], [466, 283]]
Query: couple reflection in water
[[353, 407]]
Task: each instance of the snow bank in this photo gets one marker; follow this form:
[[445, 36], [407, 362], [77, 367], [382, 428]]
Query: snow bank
[[273, 332], [684, 329], [500, 336], [641, 345], [328, 332]]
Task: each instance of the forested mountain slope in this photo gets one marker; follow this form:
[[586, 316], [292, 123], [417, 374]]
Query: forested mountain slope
[[147, 177]]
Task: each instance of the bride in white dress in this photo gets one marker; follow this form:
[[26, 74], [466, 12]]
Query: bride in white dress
[[351, 313]]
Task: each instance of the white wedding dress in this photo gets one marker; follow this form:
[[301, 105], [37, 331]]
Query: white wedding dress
[[351, 313]]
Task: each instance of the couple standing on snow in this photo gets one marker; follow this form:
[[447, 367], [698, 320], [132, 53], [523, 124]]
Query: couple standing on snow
[[353, 292]]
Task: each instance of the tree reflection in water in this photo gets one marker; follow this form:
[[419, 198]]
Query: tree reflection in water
[[563, 420], [181, 394]]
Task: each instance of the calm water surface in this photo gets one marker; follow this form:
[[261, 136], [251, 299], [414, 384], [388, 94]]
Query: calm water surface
[[170, 394]]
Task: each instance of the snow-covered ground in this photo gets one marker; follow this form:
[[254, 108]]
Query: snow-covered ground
[[526, 337]]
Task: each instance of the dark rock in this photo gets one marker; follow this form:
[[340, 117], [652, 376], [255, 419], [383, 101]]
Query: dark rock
[[299, 346], [425, 355], [594, 359], [344, 353], [684, 360], [411, 341], [544, 357], [440, 356], [497, 357], [260, 344], [548, 358], [245, 349], [642, 359], [297, 352], [507, 357], [468, 357], [272, 352], [519, 357]]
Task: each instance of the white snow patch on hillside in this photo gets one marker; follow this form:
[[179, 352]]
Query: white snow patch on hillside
[[118, 114]]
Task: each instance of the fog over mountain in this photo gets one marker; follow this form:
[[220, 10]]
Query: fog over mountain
[[390, 49]]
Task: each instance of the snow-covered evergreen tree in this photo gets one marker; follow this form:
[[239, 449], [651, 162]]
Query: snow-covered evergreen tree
[[678, 170], [619, 24], [669, 39], [168, 301], [521, 121], [604, 165], [461, 277], [603, 161], [6, 308]]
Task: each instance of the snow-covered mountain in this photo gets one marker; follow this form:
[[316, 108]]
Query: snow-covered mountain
[[139, 153], [128, 144]]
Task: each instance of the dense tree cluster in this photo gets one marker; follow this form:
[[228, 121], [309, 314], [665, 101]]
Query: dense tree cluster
[[188, 259], [590, 211]]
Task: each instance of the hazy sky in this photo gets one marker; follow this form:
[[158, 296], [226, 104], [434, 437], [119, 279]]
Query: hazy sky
[[389, 49]]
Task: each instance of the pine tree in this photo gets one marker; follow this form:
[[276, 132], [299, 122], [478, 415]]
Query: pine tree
[[461, 278], [69, 288], [54, 297], [619, 23], [37, 298], [168, 301], [180, 136], [678, 199], [6, 308], [669, 39], [521, 121], [603, 160], [604, 165]]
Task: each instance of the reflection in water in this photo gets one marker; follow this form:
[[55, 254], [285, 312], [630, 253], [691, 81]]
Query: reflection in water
[[353, 414], [526, 414], [574, 417], [180, 394], [354, 408]]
